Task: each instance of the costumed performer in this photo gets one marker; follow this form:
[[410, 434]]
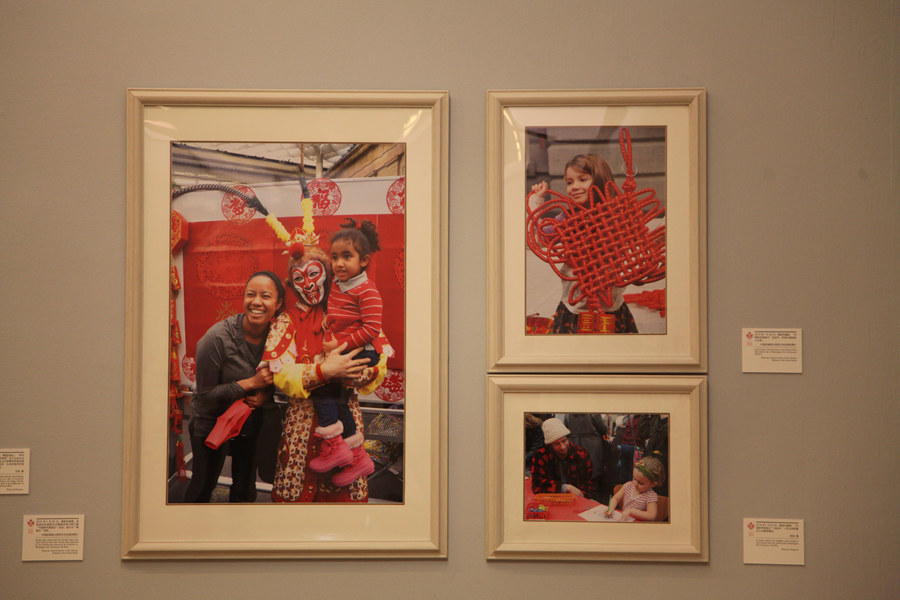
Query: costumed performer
[[300, 367]]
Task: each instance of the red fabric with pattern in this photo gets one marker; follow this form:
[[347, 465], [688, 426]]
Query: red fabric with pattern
[[325, 195], [222, 255], [396, 197]]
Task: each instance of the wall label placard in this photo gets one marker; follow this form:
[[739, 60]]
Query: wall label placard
[[14, 470], [773, 542], [772, 350], [52, 537]]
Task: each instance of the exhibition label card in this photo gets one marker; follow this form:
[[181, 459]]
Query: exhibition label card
[[14, 470], [772, 350], [53, 537], [773, 542]]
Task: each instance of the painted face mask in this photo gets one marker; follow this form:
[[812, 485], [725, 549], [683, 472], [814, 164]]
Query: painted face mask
[[309, 281]]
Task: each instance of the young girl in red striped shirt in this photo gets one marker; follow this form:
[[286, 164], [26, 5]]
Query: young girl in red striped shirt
[[353, 318]]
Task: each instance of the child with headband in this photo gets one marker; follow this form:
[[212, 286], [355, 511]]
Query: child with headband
[[637, 497]]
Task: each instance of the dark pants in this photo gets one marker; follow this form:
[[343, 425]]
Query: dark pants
[[627, 462], [331, 400], [207, 466]]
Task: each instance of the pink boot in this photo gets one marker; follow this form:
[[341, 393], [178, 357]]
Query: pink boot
[[361, 466], [333, 452]]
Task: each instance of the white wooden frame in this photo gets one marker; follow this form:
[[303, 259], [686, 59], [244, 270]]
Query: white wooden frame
[[683, 347], [683, 539], [151, 529]]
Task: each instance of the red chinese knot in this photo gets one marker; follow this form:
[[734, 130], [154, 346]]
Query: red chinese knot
[[605, 242]]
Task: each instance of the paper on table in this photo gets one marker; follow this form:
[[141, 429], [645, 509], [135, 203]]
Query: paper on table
[[598, 513]]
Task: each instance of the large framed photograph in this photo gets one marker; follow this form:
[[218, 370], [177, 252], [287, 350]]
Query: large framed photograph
[[596, 220], [597, 467], [280, 245]]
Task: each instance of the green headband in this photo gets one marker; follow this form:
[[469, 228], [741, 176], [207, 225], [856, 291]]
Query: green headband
[[647, 473]]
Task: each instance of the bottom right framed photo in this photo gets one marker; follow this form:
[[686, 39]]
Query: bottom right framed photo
[[597, 467]]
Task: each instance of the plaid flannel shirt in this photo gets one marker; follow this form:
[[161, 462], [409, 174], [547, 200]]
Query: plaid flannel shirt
[[550, 472]]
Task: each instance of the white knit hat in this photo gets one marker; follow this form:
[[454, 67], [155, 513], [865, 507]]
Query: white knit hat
[[553, 430]]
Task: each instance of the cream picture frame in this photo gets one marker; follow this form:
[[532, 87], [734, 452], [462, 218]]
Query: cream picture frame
[[683, 538], [416, 528], [682, 114]]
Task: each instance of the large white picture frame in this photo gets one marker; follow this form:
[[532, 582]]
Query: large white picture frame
[[153, 529]]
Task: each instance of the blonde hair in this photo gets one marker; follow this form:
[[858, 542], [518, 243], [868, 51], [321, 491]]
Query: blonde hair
[[652, 468]]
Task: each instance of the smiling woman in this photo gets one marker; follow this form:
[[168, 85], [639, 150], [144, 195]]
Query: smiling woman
[[228, 357]]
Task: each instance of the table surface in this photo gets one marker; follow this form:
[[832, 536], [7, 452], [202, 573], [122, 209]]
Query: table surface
[[565, 512]]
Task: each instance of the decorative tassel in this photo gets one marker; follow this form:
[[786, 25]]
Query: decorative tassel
[[278, 228], [175, 279], [307, 205]]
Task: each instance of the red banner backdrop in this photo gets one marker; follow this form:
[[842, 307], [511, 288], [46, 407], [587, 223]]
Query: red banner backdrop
[[220, 256]]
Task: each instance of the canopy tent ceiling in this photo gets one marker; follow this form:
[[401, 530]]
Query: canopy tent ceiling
[[307, 154]]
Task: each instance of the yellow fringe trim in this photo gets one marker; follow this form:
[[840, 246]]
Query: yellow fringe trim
[[307, 205], [381, 373], [278, 228]]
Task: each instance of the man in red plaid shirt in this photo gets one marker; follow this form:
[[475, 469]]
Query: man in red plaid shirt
[[560, 466]]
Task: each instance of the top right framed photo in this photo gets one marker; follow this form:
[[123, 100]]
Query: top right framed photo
[[596, 231]]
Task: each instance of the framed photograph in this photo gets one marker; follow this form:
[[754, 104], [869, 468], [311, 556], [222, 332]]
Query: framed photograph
[[275, 240], [597, 467], [597, 231]]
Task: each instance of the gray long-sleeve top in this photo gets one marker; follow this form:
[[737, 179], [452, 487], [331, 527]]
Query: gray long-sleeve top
[[223, 357]]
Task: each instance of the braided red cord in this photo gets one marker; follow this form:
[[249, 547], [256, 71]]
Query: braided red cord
[[605, 242]]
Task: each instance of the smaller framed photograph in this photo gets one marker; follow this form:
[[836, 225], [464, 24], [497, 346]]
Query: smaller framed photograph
[[596, 220], [597, 467]]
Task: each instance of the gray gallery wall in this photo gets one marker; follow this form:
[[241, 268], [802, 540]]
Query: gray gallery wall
[[803, 211]]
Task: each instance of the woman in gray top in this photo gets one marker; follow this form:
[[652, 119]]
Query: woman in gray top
[[228, 355]]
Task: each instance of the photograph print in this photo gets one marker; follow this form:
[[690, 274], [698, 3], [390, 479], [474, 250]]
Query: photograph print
[[595, 230], [596, 467], [287, 322]]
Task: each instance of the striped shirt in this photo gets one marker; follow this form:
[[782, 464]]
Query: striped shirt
[[629, 500], [354, 311]]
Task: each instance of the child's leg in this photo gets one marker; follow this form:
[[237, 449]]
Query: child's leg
[[342, 403], [361, 465], [333, 451], [326, 402], [342, 408]]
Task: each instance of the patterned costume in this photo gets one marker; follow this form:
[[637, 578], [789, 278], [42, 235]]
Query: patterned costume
[[294, 343]]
